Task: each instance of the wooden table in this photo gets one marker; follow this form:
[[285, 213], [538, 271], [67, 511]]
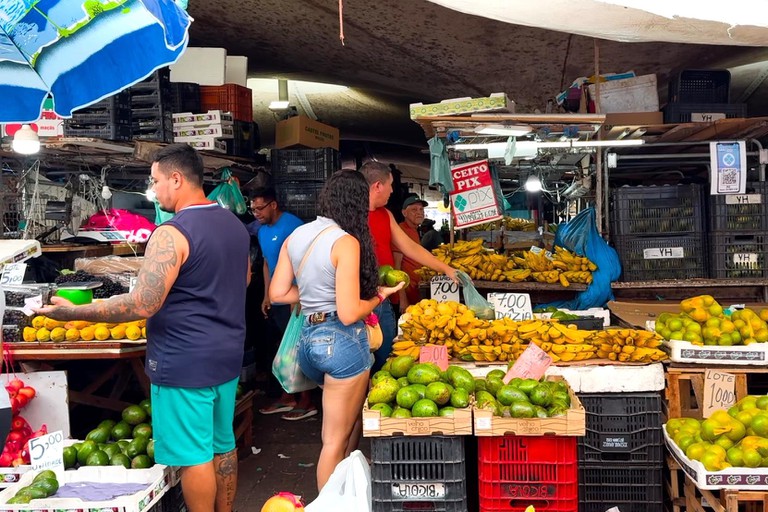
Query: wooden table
[[65, 254], [127, 363], [738, 290]]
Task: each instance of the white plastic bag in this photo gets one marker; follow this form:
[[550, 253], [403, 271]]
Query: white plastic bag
[[348, 489]]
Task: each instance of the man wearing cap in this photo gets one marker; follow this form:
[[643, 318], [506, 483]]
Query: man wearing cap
[[413, 211]]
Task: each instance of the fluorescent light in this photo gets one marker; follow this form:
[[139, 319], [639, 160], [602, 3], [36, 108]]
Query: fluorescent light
[[607, 143], [533, 184], [26, 141], [500, 129], [279, 105], [526, 146]]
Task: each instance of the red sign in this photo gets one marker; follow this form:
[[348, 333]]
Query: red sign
[[530, 365], [437, 354], [471, 176], [473, 198]]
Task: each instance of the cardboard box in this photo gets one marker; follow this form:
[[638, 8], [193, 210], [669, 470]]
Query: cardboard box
[[636, 94], [496, 102], [210, 117], [572, 423], [374, 425], [204, 143], [303, 131], [212, 130], [632, 119]]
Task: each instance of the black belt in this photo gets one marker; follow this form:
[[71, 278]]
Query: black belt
[[318, 318]]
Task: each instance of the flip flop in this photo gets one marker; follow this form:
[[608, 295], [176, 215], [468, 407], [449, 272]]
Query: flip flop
[[276, 408], [301, 414]]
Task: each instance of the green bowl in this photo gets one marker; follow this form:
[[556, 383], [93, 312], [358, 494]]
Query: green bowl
[[76, 296]]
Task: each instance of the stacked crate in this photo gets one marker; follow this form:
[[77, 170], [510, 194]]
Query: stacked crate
[[622, 454], [701, 95], [150, 108], [299, 175], [658, 232], [738, 237], [108, 119]]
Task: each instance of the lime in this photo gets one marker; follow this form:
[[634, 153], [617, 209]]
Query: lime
[[141, 462], [136, 447], [121, 430], [134, 414], [97, 458], [70, 457], [87, 448], [142, 430], [100, 435], [120, 459], [111, 449]]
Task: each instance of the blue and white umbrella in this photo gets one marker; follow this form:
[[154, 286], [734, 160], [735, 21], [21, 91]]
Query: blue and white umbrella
[[81, 51]]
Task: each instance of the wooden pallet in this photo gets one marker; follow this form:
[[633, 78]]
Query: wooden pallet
[[685, 386], [244, 424], [674, 486], [724, 500]]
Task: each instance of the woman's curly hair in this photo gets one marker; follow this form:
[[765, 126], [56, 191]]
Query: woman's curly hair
[[344, 199]]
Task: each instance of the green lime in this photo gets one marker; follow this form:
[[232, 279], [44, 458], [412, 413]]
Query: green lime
[[87, 448], [133, 415], [136, 447], [141, 462], [111, 449], [121, 430], [97, 458], [142, 430], [120, 459], [70, 457]]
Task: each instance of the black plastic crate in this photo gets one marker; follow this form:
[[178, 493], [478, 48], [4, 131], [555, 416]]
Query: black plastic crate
[[418, 473], [738, 255], [622, 427], [304, 164], [586, 323], [701, 86], [116, 132], [740, 212], [299, 198], [184, 97], [660, 211], [159, 78], [653, 258], [117, 102], [115, 110], [681, 112], [630, 488], [244, 143]]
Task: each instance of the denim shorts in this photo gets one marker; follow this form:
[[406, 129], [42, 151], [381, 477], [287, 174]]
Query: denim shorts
[[332, 348]]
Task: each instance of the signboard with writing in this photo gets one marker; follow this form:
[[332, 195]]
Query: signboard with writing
[[719, 391], [728, 167], [47, 452], [443, 289], [516, 306], [13, 274], [473, 198], [437, 354], [530, 365], [663, 253]]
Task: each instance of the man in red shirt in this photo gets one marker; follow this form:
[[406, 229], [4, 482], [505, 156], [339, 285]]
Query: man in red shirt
[[386, 236], [413, 212]]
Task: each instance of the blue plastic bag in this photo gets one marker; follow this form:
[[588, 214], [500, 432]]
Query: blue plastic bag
[[580, 236], [228, 195], [285, 366]]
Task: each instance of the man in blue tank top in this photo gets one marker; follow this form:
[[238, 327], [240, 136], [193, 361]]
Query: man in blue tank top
[[191, 288]]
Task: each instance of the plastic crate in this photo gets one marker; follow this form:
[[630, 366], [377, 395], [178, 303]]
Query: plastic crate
[[630, 488], [117, 132], [408, 473], [299, 198], [303, 164], [115, 110], [515, 472], [622, 427], [654, 258], [230, 98], [159, 78], [244, 143], [660, 211], [735, 255], [701, 86], [681, 112], [740, 212], [184, 97]]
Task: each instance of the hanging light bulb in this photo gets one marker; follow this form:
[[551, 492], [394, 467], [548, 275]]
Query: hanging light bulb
[[533, 183], [26, 141]]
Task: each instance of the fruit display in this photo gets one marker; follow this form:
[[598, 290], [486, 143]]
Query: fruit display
[[389, 276], [737, 437], [45, 329], [562, 267], [15, 451], [404, 388], [507, 223], [704, 322], [521, 398], [126, 443], [44, 485], [107, 289], [629, 345]]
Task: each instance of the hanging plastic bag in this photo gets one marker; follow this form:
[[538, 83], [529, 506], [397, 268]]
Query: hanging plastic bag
[[473, 300], [285, 366], [348, 489], [161, 215], [228, 195]]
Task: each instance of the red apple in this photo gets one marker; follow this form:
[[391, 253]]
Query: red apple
[[27, 391]]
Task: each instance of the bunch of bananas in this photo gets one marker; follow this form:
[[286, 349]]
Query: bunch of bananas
[[46, 329], [572, 262], [508, 223], [563, 343], [472, 258], [629, 345]]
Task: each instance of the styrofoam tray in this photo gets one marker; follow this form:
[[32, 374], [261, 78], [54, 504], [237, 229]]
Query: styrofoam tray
[[686, 352], [743, 479], [158, 480]]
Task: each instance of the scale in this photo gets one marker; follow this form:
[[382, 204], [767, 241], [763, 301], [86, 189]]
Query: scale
[[79, 292], [92, 237]]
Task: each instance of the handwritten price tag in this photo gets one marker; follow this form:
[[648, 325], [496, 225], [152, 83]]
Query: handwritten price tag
[[719, 391], [47, 452], [516, 306], [530, 365], [13, 274], [437, 354], [443, 289]]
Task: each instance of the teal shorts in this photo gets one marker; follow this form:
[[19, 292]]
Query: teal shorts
[[191, 425]]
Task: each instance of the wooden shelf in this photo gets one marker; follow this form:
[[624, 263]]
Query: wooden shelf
[[521, 286], [688, 283]]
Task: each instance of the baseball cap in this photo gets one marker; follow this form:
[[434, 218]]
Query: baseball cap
[[413, 200]]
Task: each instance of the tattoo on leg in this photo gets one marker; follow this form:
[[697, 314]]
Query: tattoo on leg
[[226, 476], [227, 464]]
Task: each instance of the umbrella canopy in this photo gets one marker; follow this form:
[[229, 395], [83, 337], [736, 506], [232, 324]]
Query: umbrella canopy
[[81, 51]]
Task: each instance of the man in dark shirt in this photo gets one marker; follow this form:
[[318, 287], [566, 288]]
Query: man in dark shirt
[[191, 288]]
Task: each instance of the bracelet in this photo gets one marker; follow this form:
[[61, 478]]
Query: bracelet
[[381, 297]]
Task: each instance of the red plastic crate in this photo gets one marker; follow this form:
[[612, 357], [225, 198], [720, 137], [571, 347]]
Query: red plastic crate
[[517, 471], [230, 98]]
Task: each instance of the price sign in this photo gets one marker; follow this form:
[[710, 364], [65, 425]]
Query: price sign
[[47, 452], [516, 306], [437, 354], [719, 391], [443, 289], [13, 274], [530, 365]]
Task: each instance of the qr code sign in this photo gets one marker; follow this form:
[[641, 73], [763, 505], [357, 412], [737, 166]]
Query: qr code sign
[[729, 176]]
